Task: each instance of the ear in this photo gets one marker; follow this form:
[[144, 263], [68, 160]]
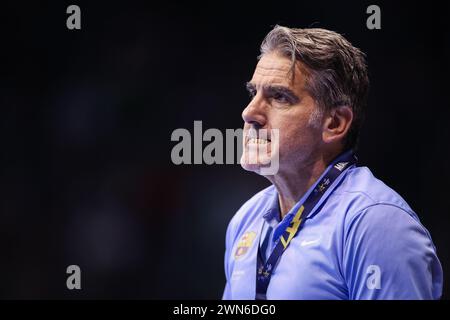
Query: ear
[[336, 124]]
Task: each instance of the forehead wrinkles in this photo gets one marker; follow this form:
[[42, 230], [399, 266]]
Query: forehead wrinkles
[[268, 67], [264, 75], [279, 71]]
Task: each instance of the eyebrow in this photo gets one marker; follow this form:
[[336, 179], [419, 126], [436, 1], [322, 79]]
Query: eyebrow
[[271, 89]]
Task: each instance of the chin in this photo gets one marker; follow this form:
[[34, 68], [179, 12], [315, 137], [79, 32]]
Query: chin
[[258, 167], [254, 167]]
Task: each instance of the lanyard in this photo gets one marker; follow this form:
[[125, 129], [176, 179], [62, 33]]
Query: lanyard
[[264, 270]]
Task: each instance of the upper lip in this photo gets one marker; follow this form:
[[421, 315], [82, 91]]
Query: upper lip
[[256, 134]]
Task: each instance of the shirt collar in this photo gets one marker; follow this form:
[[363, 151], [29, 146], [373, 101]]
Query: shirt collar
[[273, 209]]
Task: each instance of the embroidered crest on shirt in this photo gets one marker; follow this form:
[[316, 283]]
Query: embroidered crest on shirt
[[244, 244]]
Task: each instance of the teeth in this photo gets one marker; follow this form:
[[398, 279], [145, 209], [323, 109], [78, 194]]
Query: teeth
[[257, 140]]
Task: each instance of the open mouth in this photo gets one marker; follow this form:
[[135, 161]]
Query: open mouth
[[255, 137]]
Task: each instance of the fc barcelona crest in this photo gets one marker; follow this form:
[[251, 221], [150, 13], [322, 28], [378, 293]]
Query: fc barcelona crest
[[244, 244]]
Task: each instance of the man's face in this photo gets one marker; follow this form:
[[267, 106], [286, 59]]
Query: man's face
[[280, 102]]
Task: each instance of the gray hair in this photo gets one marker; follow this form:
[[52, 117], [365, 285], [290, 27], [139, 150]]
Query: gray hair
[[336, 71]]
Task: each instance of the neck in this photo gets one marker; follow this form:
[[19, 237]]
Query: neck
[[293, 184]]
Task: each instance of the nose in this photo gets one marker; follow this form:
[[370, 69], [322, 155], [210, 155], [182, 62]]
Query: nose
[[255, 113]]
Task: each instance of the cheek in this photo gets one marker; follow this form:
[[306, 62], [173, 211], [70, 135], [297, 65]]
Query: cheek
[[299, 137], [294, 127]]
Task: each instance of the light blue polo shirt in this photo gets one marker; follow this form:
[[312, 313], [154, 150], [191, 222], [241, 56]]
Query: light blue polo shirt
[[361, 241]]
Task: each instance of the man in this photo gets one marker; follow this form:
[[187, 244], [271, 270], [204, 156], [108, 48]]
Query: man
[[326, 228]]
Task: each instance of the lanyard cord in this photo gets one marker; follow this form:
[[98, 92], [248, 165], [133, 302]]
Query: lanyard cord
[[264, 270]]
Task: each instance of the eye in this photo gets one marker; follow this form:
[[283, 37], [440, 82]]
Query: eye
[[281, 98], [251, 93]]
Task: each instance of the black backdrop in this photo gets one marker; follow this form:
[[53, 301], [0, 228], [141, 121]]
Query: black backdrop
[[87, 117]]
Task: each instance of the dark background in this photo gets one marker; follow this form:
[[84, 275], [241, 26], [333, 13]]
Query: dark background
[[87, 118]]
